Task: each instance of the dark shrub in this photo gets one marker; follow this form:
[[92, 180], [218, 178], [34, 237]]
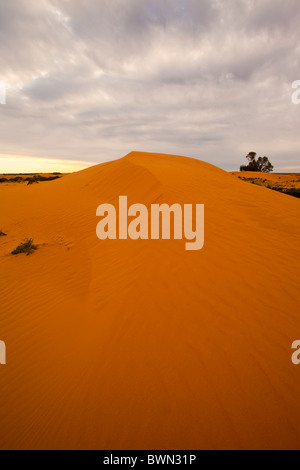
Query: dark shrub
[[292, 192], [27, 246], [32, 180]]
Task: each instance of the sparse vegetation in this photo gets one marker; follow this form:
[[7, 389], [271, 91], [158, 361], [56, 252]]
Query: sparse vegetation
[[38, 178], [30, 179], [27, 246], [33, 179], [291, 191], [262, 164], [16, 179]]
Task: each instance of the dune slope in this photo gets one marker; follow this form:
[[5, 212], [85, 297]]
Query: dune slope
[[124, 344]]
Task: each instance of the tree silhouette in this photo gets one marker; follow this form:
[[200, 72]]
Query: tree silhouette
[[262, 164]]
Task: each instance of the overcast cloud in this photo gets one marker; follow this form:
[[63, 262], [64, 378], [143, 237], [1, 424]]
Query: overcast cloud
[[92, 80]]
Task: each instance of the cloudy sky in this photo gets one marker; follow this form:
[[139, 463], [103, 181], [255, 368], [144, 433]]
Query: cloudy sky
[[89, 81]]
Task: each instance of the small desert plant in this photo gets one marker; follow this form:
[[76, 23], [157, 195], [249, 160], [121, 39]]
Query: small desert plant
[[37, 178], [27, 246], [2, 234], [32, 180]]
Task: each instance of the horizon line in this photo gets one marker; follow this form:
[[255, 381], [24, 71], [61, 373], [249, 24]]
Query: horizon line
[[17, 164]]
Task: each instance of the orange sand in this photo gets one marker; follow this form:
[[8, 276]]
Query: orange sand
[[141, 344]]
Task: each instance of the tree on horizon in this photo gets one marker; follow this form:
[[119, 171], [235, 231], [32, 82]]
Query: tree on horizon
[[262, 164]]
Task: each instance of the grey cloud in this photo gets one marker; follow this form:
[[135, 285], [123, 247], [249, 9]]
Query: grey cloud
[[273, 15], [206, 78]]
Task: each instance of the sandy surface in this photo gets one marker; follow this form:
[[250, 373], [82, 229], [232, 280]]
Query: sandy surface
[[140, 344]]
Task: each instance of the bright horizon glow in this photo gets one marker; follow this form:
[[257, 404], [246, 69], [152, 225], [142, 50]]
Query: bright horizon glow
[[29, 164]]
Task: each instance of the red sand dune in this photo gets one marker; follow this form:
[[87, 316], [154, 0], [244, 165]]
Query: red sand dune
[[124, 344]]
